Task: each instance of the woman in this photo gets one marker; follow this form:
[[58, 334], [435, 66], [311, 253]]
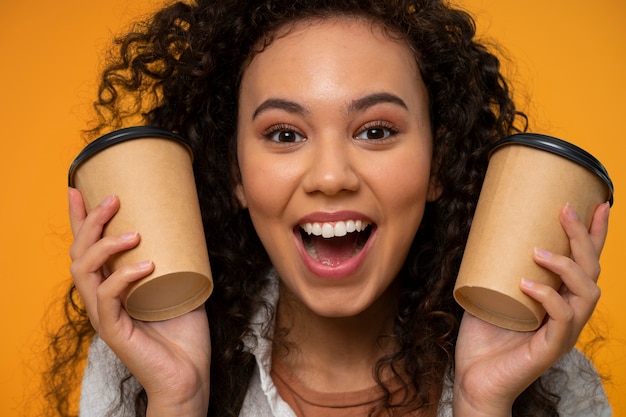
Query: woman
[[341, 146]]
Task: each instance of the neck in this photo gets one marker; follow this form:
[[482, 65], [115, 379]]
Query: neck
[[334, 354]]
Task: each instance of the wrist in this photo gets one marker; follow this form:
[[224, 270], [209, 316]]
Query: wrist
[[190, 403], [192, 408], [467, 404]]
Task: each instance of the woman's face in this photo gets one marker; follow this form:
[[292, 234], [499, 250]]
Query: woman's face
[[334, 148]]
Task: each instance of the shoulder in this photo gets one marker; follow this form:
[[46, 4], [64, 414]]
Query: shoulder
[[575, 380], [102, 381]]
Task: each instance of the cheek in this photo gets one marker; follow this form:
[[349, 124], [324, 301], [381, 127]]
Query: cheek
[[404, 186], [267, 189], [405, 211], [406, 201]]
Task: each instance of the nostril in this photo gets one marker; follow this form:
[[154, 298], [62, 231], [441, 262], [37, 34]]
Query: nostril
[[331, 179]]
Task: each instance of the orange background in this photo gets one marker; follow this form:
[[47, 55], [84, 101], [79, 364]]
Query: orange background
[[569, 66]]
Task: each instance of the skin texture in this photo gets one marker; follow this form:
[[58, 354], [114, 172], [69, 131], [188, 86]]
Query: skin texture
[[334, 170]]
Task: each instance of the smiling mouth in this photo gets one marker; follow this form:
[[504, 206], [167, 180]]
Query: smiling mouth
[[335, 242]]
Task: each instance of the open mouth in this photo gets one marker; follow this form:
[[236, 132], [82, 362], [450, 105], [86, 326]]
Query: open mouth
[[335, 242]]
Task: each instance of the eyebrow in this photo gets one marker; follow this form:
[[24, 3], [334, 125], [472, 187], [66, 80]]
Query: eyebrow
[[377, 98], [360, 104], [281, 104]]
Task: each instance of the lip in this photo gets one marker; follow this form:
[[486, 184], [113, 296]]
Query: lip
[[322, 217], [346, 268]]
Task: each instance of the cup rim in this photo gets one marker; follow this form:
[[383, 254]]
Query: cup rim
[[562, 148], [121, 135]]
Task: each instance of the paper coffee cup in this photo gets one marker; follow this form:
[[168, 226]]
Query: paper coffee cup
[[529, 179], [150, 170]]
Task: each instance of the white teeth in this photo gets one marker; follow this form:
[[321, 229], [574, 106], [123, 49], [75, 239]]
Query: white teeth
[[336, 229], [316, 229], [328, 230], [340, 229]]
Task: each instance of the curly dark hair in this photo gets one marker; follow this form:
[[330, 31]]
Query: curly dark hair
[[181, 70]]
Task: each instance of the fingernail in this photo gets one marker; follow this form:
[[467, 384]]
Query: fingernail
[[144, 264], [527, 283], [128, 236], [542, 253], [571, 213], [107, 200]]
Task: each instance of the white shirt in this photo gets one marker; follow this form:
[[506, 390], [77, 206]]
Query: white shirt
[[582, 394]]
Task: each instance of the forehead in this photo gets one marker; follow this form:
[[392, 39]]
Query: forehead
[[338, 51], [293, 33]]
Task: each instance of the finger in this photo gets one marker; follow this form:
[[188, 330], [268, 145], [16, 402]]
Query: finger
[[573, 306], [600, 226], [87, 271], [89, 228], [76, 208], [582, 247], [560, 331], [94, 259], [573, 276], [110, 294]]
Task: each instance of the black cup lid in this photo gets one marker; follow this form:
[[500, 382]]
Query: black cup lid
[[117, 136], [562, 148]]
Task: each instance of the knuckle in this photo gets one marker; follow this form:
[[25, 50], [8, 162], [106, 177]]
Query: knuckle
[[105, 333], [568, 265], [597, 269], [94, 323], [73, 269], [101, 292], [569, 316], [73, 253], [95, 219]]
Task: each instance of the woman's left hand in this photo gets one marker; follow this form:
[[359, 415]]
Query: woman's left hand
[[493, 365]]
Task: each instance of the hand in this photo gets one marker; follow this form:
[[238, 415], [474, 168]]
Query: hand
[[493, 365], [170, 359]]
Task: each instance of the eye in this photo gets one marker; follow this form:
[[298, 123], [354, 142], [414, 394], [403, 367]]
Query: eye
[[283, 134], [376, 131]]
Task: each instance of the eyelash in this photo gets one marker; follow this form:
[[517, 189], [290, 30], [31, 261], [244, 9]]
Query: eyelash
[[282, 128], [389, 130]]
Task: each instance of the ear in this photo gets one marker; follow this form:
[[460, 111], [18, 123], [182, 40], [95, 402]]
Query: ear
[[241, 196]]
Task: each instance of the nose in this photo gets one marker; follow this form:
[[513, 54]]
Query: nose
[[331, 166]]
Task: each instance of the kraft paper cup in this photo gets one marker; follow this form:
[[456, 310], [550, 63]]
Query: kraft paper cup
[[529, 179], [150, 170]]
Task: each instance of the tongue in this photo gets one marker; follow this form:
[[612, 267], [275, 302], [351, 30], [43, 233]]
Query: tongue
[[335, 250]]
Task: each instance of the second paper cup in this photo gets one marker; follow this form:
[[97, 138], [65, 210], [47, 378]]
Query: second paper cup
[[530, 178], [150, 170]]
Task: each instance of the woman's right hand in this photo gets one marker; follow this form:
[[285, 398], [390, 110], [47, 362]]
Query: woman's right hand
[[171, 358]]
